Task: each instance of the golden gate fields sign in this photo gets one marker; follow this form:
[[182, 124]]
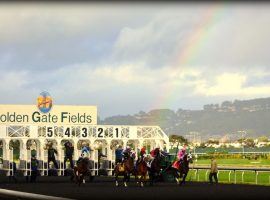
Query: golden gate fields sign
[[58, 115]]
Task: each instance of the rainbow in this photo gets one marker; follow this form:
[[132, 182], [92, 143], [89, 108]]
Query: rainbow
[[193, 44]]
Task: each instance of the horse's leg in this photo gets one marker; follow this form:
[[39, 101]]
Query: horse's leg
[[177, 177], [116, 179], [136, 177], [83, 180], [142, 179], [151, 178], [184, 179], [125, 179], [145, 178], [76, 175], [79, 180], [181, 176], [128, 177], [91, 178], [72, 176]]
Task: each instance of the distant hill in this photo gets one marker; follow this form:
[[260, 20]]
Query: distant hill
[[214, 121]]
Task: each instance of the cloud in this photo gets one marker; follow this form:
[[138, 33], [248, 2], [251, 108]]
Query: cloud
[[124, 58], [228, 84], [12, 80], [46, 36]]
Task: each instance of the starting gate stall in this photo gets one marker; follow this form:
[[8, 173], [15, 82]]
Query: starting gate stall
[[100, 159], [65, 167], [33, 150], [92, 156], [19, 160], [6, 167], [35, 130], [49, 167], [114, 145]]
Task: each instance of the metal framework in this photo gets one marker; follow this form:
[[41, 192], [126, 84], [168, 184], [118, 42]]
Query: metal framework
[[103, 138]]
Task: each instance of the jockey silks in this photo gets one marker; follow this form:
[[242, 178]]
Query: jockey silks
[[118, 153]]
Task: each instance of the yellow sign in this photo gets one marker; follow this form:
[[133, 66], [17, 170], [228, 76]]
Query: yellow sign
[[57, 115]]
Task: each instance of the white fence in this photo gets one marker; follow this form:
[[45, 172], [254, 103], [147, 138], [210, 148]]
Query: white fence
[[231, 171]]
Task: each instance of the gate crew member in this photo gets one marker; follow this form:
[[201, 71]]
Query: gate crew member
[[213, 171], [51, 155], [69, 154], [34, 169]]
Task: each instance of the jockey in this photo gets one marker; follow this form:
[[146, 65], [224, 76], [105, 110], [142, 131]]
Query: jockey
[[132, 154], [154, 153], [85, 152], [118, 154], [181, 153], [142, 155], [126, 153]]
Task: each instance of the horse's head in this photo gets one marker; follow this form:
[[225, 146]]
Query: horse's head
[[189, 158], [82, 166], [164, 154]]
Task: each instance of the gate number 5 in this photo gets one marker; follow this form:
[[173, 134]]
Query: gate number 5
[[49, 131]]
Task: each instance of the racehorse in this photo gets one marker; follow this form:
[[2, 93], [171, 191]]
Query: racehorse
[[181, 169], [124, 169], [141, 170], [155, 168], [81, 170]]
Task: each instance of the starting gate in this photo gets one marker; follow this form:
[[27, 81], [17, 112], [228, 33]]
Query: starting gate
[[102, 139]]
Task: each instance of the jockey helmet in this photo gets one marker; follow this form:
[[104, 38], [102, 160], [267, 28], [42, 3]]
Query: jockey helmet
[[128, 148], [143, 150]]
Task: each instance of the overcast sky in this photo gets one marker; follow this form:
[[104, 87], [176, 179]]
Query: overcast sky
[[130, 57]]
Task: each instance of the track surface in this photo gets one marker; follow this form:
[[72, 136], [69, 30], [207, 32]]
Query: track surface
[[104, 188]]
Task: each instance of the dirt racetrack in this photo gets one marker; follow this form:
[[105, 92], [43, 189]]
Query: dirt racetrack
[[104, 188]]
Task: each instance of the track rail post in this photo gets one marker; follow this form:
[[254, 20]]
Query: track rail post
[[257, 173], [206, 175], [234, 176]]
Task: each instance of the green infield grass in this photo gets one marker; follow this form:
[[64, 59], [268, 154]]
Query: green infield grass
[[238, 177], [236, 162]]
